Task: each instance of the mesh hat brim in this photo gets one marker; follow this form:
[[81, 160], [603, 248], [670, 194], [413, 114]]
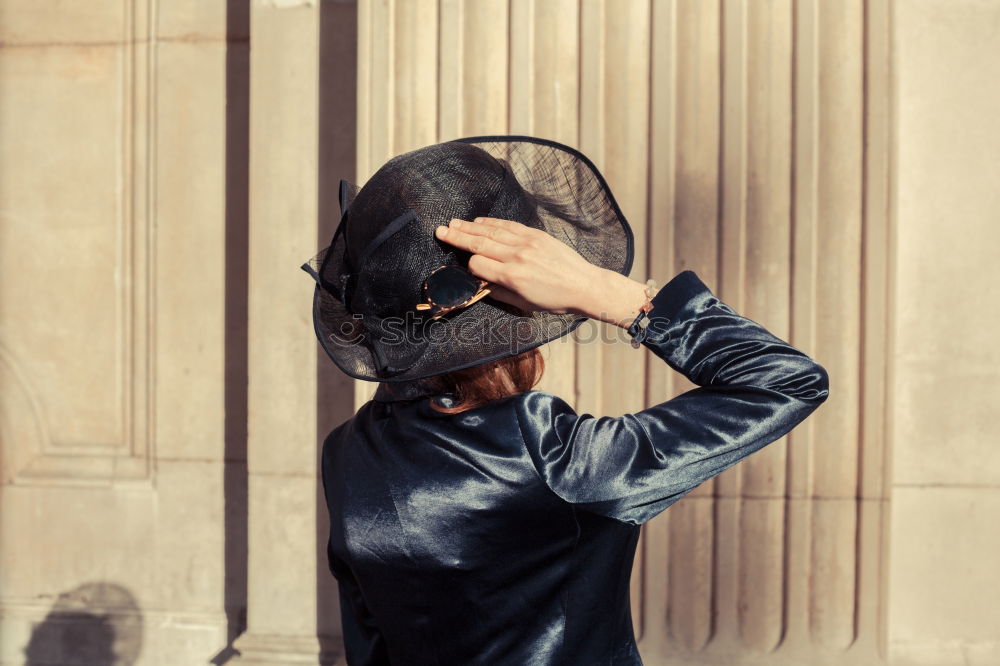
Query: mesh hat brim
[[576, 206]]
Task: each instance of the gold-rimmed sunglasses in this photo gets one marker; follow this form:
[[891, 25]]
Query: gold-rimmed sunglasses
[[451, 287]]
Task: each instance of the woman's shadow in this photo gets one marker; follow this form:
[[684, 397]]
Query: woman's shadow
[[97, 624]]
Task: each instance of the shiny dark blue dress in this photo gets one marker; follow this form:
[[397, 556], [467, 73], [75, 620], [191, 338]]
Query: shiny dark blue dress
[[505, 535]]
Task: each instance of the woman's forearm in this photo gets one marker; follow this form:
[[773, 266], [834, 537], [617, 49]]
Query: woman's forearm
[[614, 298]]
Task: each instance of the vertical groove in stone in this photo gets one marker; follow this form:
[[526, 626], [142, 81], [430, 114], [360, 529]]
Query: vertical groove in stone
[[415, 73], [450, 65], [126, 256], [589, 358], [833, 572], [767, 285], [661, 259], [732, 165], [381, 41], [655, 584], [839, 207], [691, 570], [695, 213], [804, 308], [768, 200], [148, 156], [625, 96], [877, 270], [761, 592], [523, 67], [485, 67], [732, 267]]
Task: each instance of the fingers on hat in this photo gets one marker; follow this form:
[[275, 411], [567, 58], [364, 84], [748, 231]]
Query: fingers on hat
[[476, 244], [488, 269], [491, 227], [512, 226]]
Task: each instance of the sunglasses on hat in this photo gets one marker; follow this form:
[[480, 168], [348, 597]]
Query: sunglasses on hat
[[451, 287]]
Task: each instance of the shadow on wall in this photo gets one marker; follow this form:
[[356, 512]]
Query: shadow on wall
[[234, 481], [97, 624]]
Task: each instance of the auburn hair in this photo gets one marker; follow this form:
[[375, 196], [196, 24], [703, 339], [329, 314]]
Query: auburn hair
[[480, 384]]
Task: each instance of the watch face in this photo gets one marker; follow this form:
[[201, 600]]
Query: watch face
[[450, 286]]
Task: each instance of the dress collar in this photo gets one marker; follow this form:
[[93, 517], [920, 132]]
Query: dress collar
[[397, 391]]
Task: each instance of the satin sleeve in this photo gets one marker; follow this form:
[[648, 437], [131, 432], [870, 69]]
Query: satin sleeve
[[752, 388]]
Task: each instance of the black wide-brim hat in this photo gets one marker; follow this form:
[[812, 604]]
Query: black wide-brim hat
[[370, 278]]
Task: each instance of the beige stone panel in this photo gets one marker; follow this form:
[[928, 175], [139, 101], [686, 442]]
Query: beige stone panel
[[544, 69], [624, 163], [57, 538], [697, 108], [163, 547], [195, 20], [726, 574], [692, 540], [283, 563], [560, 369], [838, 190], [473, 60], [282, 356], [685, 235], [872, 596], [805, 588], [157, 638], [878, 264], [24, 22], [414, 75], [733, 168], [834, 551], [376, 98], [806, 253], [655, 625], [943, 578], [660, 379], [762, 573], [947, 104], [765, 37], [485, 72], [282, 442], [946, 383], [65, 298], [797, 572], [190, 253], [945, 424], [450, 89], [187, 564], [948, 654], [590, 385], [768, 199], [175, 638]]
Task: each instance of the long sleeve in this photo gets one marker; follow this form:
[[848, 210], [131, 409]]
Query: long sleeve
[[752, 388]]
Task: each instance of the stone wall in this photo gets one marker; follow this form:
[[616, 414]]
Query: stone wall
[[828, 168]]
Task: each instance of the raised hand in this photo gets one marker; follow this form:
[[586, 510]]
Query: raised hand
[[532, 270]]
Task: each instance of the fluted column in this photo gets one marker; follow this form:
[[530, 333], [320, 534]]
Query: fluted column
[[281, 449]]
